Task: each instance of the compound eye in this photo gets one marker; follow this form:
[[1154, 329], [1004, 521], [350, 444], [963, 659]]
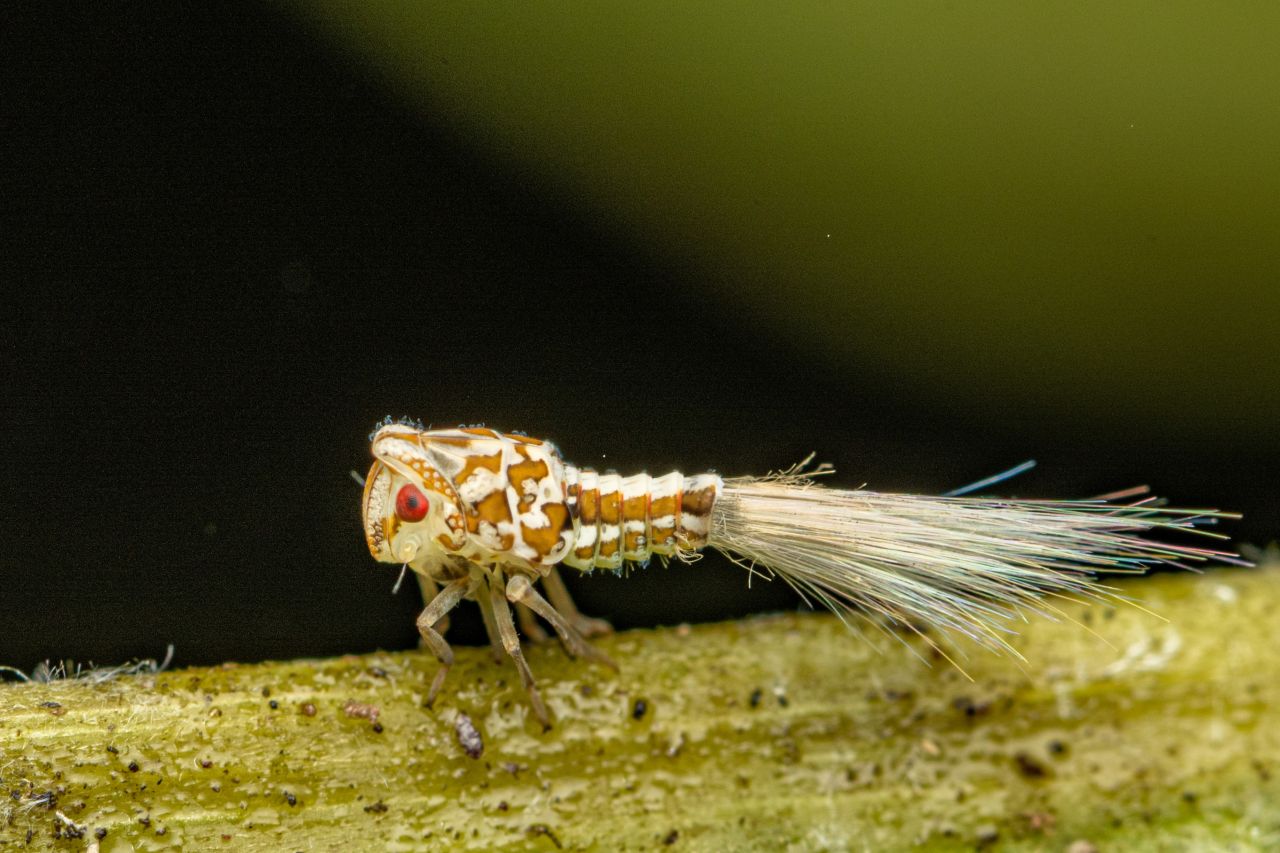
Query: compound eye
[[411, 504]]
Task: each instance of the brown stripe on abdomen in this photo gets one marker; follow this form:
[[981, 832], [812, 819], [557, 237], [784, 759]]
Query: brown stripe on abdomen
[[629, 519]]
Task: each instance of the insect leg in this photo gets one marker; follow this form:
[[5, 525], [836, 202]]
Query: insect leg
[[448, 599], [529, 625], [429, 592], [511, 642], [559, 595], [521, 591], [491, 627]]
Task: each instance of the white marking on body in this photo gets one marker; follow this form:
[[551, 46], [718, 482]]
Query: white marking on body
[[587, 537], [479, 485], [702, 481], [633, 526], [694, 523], [665, 486], [664, 521], [535, 519], [488, 534], [635, 486], [608, 532]]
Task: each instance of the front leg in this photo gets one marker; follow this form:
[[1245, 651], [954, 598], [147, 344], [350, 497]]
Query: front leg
[[453, 592], [430, 589]]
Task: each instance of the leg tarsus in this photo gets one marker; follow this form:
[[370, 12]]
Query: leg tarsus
[[511, 643], [521, 591], [585, 625]]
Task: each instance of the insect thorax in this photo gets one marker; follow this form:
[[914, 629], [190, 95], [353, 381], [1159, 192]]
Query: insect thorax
[[524, 506]]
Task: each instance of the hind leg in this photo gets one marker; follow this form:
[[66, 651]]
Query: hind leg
[[521, 591], [529, 625], [559, 595]]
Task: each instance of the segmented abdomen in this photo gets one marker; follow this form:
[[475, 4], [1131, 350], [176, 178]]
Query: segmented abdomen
[[631, 518]]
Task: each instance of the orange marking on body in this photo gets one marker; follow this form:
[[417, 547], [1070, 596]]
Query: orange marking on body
[[633, 509], [494, 510], [470, 464], [611, 507], [695, 505], [545, 539], [450, 440], [519, 475]]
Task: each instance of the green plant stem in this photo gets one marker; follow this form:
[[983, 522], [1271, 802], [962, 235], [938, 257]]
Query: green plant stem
[[771, 733]]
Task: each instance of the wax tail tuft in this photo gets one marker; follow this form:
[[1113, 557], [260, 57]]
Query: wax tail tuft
[[969, 565]]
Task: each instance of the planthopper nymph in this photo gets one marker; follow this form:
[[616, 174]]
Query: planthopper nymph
[[486, 516]]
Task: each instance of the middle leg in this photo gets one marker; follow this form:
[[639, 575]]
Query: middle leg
[[511, 642]]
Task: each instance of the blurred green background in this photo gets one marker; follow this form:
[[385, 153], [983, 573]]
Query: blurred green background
[[1067, 207], [926, 241]]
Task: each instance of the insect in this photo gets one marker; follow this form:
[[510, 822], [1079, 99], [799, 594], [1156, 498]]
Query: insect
[[484, 515]]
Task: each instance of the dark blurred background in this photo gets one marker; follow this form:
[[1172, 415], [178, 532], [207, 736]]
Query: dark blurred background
[[926, 247]]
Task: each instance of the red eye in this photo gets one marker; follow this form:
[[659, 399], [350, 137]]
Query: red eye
[[411, 504]]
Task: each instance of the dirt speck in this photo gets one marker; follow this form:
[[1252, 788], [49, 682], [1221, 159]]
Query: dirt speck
[[1041, 822], [468, 738], [542, 829], [971, 707], [307, 709], [1029, 766], [639, 709], [671, 837], [361, 710]]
